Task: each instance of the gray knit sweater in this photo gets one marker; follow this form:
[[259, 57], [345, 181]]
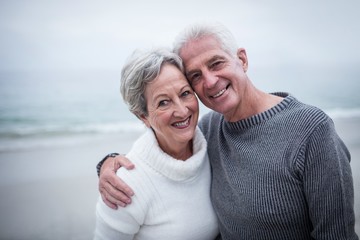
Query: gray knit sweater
[[281, 174]]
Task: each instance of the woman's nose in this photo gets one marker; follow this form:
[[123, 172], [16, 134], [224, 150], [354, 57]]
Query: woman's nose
[[180, 110]]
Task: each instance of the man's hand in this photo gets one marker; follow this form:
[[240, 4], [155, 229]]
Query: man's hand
[[113, 190]]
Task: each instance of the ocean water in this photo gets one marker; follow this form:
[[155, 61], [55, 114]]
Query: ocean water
[[44, 109], [54, 108]]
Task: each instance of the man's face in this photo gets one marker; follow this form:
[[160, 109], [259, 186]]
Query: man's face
[[217, 77]]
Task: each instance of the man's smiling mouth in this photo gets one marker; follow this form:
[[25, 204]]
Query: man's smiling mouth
[[221, 92]]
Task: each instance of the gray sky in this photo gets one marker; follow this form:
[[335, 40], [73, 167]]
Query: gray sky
[[101, 34]]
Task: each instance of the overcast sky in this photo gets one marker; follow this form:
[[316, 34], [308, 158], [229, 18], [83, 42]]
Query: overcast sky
[[101, 34]]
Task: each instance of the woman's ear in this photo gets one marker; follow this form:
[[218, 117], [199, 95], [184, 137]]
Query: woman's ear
[[144, 119]]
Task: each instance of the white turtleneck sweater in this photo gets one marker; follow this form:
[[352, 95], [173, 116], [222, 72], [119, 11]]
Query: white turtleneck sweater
[[172, 197]]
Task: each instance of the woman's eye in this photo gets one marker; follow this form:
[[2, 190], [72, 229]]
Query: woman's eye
[[186, 93], [163, 103]]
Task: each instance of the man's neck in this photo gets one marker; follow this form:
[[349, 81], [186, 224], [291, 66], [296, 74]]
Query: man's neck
[[254, 102]]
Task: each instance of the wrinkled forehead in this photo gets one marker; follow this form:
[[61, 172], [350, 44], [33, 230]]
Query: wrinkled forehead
[[200, 52], [199, 44], [195, 47]]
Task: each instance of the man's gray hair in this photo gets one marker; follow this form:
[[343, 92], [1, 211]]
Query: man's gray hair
[[141, 68], [200, 30]]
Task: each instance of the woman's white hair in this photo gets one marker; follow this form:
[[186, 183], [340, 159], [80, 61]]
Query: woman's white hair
[[141, 68]]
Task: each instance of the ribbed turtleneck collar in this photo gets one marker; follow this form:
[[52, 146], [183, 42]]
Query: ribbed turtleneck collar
[[147, 149], [263, 116]]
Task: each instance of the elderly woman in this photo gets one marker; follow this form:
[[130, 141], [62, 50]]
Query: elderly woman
[[172, 174]]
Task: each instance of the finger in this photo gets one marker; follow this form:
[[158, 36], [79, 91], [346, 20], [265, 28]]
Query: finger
[[106, 190], [112, 183], [121, 201], [111, 201], [122, 161], [114, 195], [121, 187], [108, 203]]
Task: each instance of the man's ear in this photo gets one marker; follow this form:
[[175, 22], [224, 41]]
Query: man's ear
[[241, 54], [144, 119]]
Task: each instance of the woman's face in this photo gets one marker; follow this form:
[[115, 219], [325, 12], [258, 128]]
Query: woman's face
[[173, 108]]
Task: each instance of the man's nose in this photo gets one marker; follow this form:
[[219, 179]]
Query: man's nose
[[210, 80]]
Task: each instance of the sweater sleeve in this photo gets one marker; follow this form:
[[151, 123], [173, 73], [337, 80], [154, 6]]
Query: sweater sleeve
[[122, 223], [104, 231], [328, 184]]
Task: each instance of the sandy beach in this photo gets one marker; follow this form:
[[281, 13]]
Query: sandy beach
[[51, 193]]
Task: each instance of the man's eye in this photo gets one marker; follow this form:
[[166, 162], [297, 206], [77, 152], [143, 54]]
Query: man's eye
[[194, 78], [215, 64]]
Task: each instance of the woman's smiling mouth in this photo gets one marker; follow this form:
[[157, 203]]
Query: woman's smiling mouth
[[182, 124]]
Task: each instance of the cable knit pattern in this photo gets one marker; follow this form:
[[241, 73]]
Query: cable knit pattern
[[172, 197], [161, 162], [282, 174]]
